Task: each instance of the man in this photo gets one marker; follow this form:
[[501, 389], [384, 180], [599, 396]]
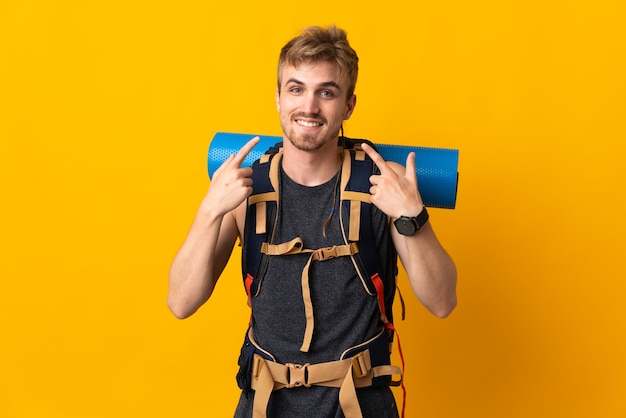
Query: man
[[311, 312]]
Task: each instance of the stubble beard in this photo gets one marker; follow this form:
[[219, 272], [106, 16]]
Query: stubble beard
[[308, 142], [305, 142]]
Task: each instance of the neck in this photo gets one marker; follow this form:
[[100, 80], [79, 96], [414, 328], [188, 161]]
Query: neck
[[311, 168]]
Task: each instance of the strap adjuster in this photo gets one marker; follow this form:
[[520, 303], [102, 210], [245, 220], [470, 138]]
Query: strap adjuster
[[359, 367], [257, 366]]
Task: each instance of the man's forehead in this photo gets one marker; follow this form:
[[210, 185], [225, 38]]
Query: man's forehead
[[316, 72]]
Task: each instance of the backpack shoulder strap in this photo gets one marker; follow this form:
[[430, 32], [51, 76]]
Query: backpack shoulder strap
[[357, 209], [261, 216]]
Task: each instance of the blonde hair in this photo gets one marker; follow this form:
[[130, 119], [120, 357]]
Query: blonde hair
[[316, 43]]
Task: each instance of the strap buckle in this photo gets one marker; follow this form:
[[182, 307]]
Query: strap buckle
[[297, 375], [328, 253]]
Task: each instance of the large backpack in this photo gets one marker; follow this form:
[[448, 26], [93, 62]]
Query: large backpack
[[366, 364], [355, 219]]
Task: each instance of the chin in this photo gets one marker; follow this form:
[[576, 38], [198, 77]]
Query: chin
[[304, 142], [309, 142]]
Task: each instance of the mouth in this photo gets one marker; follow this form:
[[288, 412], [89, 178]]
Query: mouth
[[308, 123]]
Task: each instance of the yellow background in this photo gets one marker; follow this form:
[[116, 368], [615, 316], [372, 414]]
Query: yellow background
[[107, 109]]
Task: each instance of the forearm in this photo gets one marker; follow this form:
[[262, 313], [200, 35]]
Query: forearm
[[207, 248], [430, 270], [199, 262]]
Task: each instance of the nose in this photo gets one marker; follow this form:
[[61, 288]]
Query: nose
[[310, 103]]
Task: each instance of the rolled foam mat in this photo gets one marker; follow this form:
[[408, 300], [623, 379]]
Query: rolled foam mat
[[436, 168]]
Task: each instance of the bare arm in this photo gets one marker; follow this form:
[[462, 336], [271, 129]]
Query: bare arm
[[430, 269], [209, 243]]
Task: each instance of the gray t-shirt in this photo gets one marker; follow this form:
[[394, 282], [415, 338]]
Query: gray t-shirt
[[344, 313]]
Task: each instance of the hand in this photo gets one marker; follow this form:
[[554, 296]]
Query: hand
[[231, 184], [394, 190]]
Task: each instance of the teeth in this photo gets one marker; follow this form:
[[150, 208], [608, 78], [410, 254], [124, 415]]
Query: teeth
[[308, 124]]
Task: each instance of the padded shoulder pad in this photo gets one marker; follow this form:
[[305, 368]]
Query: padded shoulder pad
[[349, 143]]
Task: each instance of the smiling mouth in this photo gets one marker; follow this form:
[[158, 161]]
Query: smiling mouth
[[308, 124]]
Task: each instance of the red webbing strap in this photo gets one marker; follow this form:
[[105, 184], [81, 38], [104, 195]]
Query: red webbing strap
[[380, 291], [248, 284]]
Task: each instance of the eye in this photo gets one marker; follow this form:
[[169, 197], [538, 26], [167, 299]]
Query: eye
[[295, 90], [327, 93]]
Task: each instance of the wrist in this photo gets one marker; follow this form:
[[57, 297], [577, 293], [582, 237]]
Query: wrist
[[409, 225], [209, 212]]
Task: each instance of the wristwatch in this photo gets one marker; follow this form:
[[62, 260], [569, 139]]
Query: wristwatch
[[409, 225]]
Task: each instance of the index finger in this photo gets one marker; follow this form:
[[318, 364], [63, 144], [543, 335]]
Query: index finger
[[245, 150], [376, 157]]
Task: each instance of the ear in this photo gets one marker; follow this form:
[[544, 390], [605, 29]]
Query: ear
[[350, 107], [277, 99]]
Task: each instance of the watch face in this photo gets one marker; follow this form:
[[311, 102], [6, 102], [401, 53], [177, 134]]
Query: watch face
[[405, 226]]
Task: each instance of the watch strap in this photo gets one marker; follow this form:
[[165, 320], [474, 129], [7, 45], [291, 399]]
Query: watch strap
[[421, 218]]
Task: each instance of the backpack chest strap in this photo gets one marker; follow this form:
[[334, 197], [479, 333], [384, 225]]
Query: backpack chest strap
[[295, 246]]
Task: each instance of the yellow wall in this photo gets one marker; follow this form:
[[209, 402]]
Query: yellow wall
[[106, 112]]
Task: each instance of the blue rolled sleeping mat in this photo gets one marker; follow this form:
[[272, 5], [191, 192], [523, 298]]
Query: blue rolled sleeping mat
[[436, 168]]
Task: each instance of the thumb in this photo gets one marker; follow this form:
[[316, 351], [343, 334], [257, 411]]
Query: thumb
[[410, 172]]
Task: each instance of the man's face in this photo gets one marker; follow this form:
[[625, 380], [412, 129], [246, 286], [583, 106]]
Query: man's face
[[312, 103]]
